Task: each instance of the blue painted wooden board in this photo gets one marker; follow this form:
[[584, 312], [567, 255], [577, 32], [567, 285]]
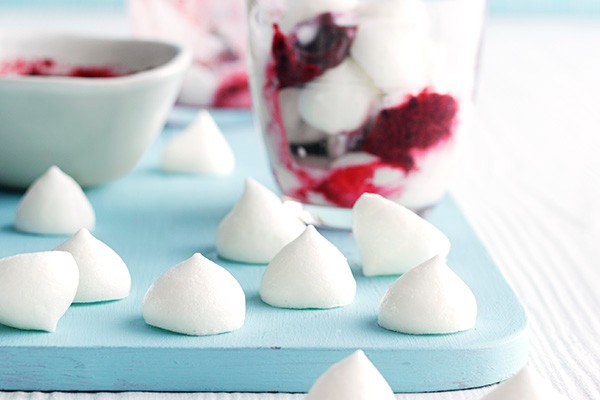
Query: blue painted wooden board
[[156, 220]]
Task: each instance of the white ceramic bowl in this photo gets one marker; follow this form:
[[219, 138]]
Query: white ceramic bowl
[[94, 129]]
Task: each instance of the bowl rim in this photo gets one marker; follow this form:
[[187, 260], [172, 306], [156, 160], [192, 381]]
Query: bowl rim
[[181, 60]]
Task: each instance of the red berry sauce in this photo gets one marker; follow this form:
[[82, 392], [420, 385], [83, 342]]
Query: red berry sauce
[[420, 122], [344, 186], [49, 67], [233, 91], [289, 70], [94, 72], [296, 63], [330, 45]]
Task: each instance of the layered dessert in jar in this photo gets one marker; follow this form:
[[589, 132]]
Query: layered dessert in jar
[[363, 96], [215, 32]]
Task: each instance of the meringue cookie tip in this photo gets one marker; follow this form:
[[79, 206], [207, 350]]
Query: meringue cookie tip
[[200, 149], [257, 227], [103, 275], [391, 238], [54, 204], [353, 378], [196, 297], [526, 384], [428, 299], [36, 289], [308, 273]]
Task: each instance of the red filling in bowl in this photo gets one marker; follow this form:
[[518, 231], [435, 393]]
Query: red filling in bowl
[[49, 67]]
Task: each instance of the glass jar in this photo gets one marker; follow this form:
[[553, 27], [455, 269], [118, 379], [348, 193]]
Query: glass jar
[[363, 96], [215, 31]]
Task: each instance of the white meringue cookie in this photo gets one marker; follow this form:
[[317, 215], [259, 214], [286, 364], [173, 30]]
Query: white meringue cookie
[[199, 149], [395, 58], [195, 297], [428, 299], [392, 239], [54, 204], [310, 272], [353, 378], [407, 14], [257, 227], [297, 131], [393, 45], [103, 275], [525, 385], [36, 289], [297, 11], [340, 100]]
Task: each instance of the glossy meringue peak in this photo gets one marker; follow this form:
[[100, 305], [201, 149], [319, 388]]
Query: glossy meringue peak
[[392, 239], [527, 384], [195, 297], [200, 149], [54, 204], [103, 275], [36, 289], [353, 378], [309, 272], [257, 227], [428, 299]]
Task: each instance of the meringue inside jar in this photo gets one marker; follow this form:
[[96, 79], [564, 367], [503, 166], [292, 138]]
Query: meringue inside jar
[[363, 96]]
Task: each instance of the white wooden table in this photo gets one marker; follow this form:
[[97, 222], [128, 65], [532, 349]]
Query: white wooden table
[[529, 183]]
